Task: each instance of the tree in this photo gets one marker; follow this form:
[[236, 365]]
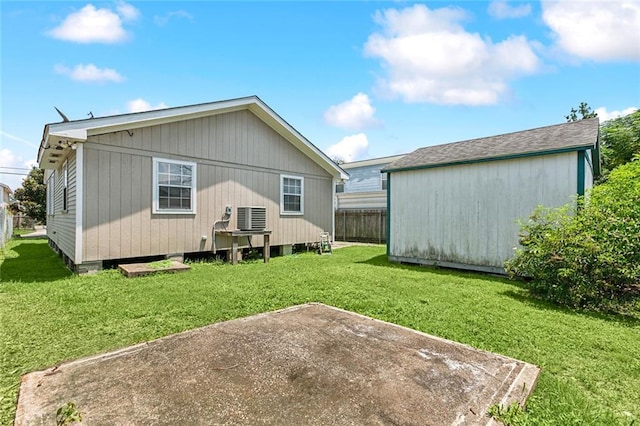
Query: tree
[[620, 140], [584, 110], [32, 196], [586, 254]]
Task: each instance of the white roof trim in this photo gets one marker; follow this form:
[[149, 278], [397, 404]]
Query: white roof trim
[[372, 161], [80, 130], [79, 135]]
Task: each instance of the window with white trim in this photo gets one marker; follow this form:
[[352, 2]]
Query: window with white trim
[[174, 186], [291, 194], [383, 181]]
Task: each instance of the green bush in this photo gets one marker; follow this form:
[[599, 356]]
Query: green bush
[[587, 253]]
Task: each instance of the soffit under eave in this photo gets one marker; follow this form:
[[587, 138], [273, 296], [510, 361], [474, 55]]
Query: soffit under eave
[[57, 146]]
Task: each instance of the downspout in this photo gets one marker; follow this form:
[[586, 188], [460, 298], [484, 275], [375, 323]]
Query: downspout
[[581, 172], [595, 158], [388, 214], [79, 203], [334, 204]]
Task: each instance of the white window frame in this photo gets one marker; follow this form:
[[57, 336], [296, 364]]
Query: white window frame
[[383, 181], [282, 194], [51, 194], [156, 190]]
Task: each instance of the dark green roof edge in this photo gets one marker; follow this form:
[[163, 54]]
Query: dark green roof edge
[[484, 160]]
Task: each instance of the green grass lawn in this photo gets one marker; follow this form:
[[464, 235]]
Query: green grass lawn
[[590, 362]]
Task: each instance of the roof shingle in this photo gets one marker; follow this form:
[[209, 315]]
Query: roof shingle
[[559, 137]]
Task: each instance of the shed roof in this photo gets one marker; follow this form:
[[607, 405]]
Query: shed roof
[[59, 138], [573, 136]]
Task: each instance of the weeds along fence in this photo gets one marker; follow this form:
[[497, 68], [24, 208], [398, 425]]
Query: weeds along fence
[[368, 226]]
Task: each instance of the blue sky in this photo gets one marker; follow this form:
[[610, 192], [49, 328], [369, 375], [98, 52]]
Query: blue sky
[[358, 79]]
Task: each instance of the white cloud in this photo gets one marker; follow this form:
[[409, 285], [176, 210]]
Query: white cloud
[[605, 115], [350, 148], [429, 57], [356, 113], [597, 30], [17, 164], [163, 20], [92, 25], [140, 105], [7, 159], [127, 11], [90, 73], [501, 9]]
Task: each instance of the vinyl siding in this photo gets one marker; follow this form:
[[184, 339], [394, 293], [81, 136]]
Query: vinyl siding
[[362, 200], [61, 226], [467, 214], [363, 190], [364, 179], [239, 161]]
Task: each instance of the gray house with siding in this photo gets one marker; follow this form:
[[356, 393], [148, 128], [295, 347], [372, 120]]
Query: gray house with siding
[[366, 187], [457, 205], [361, 202], [154, 183]]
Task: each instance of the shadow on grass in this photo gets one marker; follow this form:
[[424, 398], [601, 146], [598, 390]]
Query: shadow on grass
[[35, 262], [626, 320], [383, 261], [520, 291]]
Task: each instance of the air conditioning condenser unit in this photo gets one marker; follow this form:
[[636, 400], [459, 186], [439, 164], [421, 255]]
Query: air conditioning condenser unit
[[252, 218]]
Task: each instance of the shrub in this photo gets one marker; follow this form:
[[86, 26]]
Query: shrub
[[587, 253]]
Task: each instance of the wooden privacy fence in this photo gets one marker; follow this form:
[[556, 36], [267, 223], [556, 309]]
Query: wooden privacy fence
[[361, 225]]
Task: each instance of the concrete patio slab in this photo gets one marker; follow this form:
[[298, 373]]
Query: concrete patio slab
[[131, 270], [310, 364]]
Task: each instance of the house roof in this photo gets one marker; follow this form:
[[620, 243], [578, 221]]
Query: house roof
[[5, 188], [5, 194], [573, 136], [59, 138], [371, 162]]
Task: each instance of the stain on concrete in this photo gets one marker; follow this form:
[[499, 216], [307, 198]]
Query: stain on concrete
[[306, 365]]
